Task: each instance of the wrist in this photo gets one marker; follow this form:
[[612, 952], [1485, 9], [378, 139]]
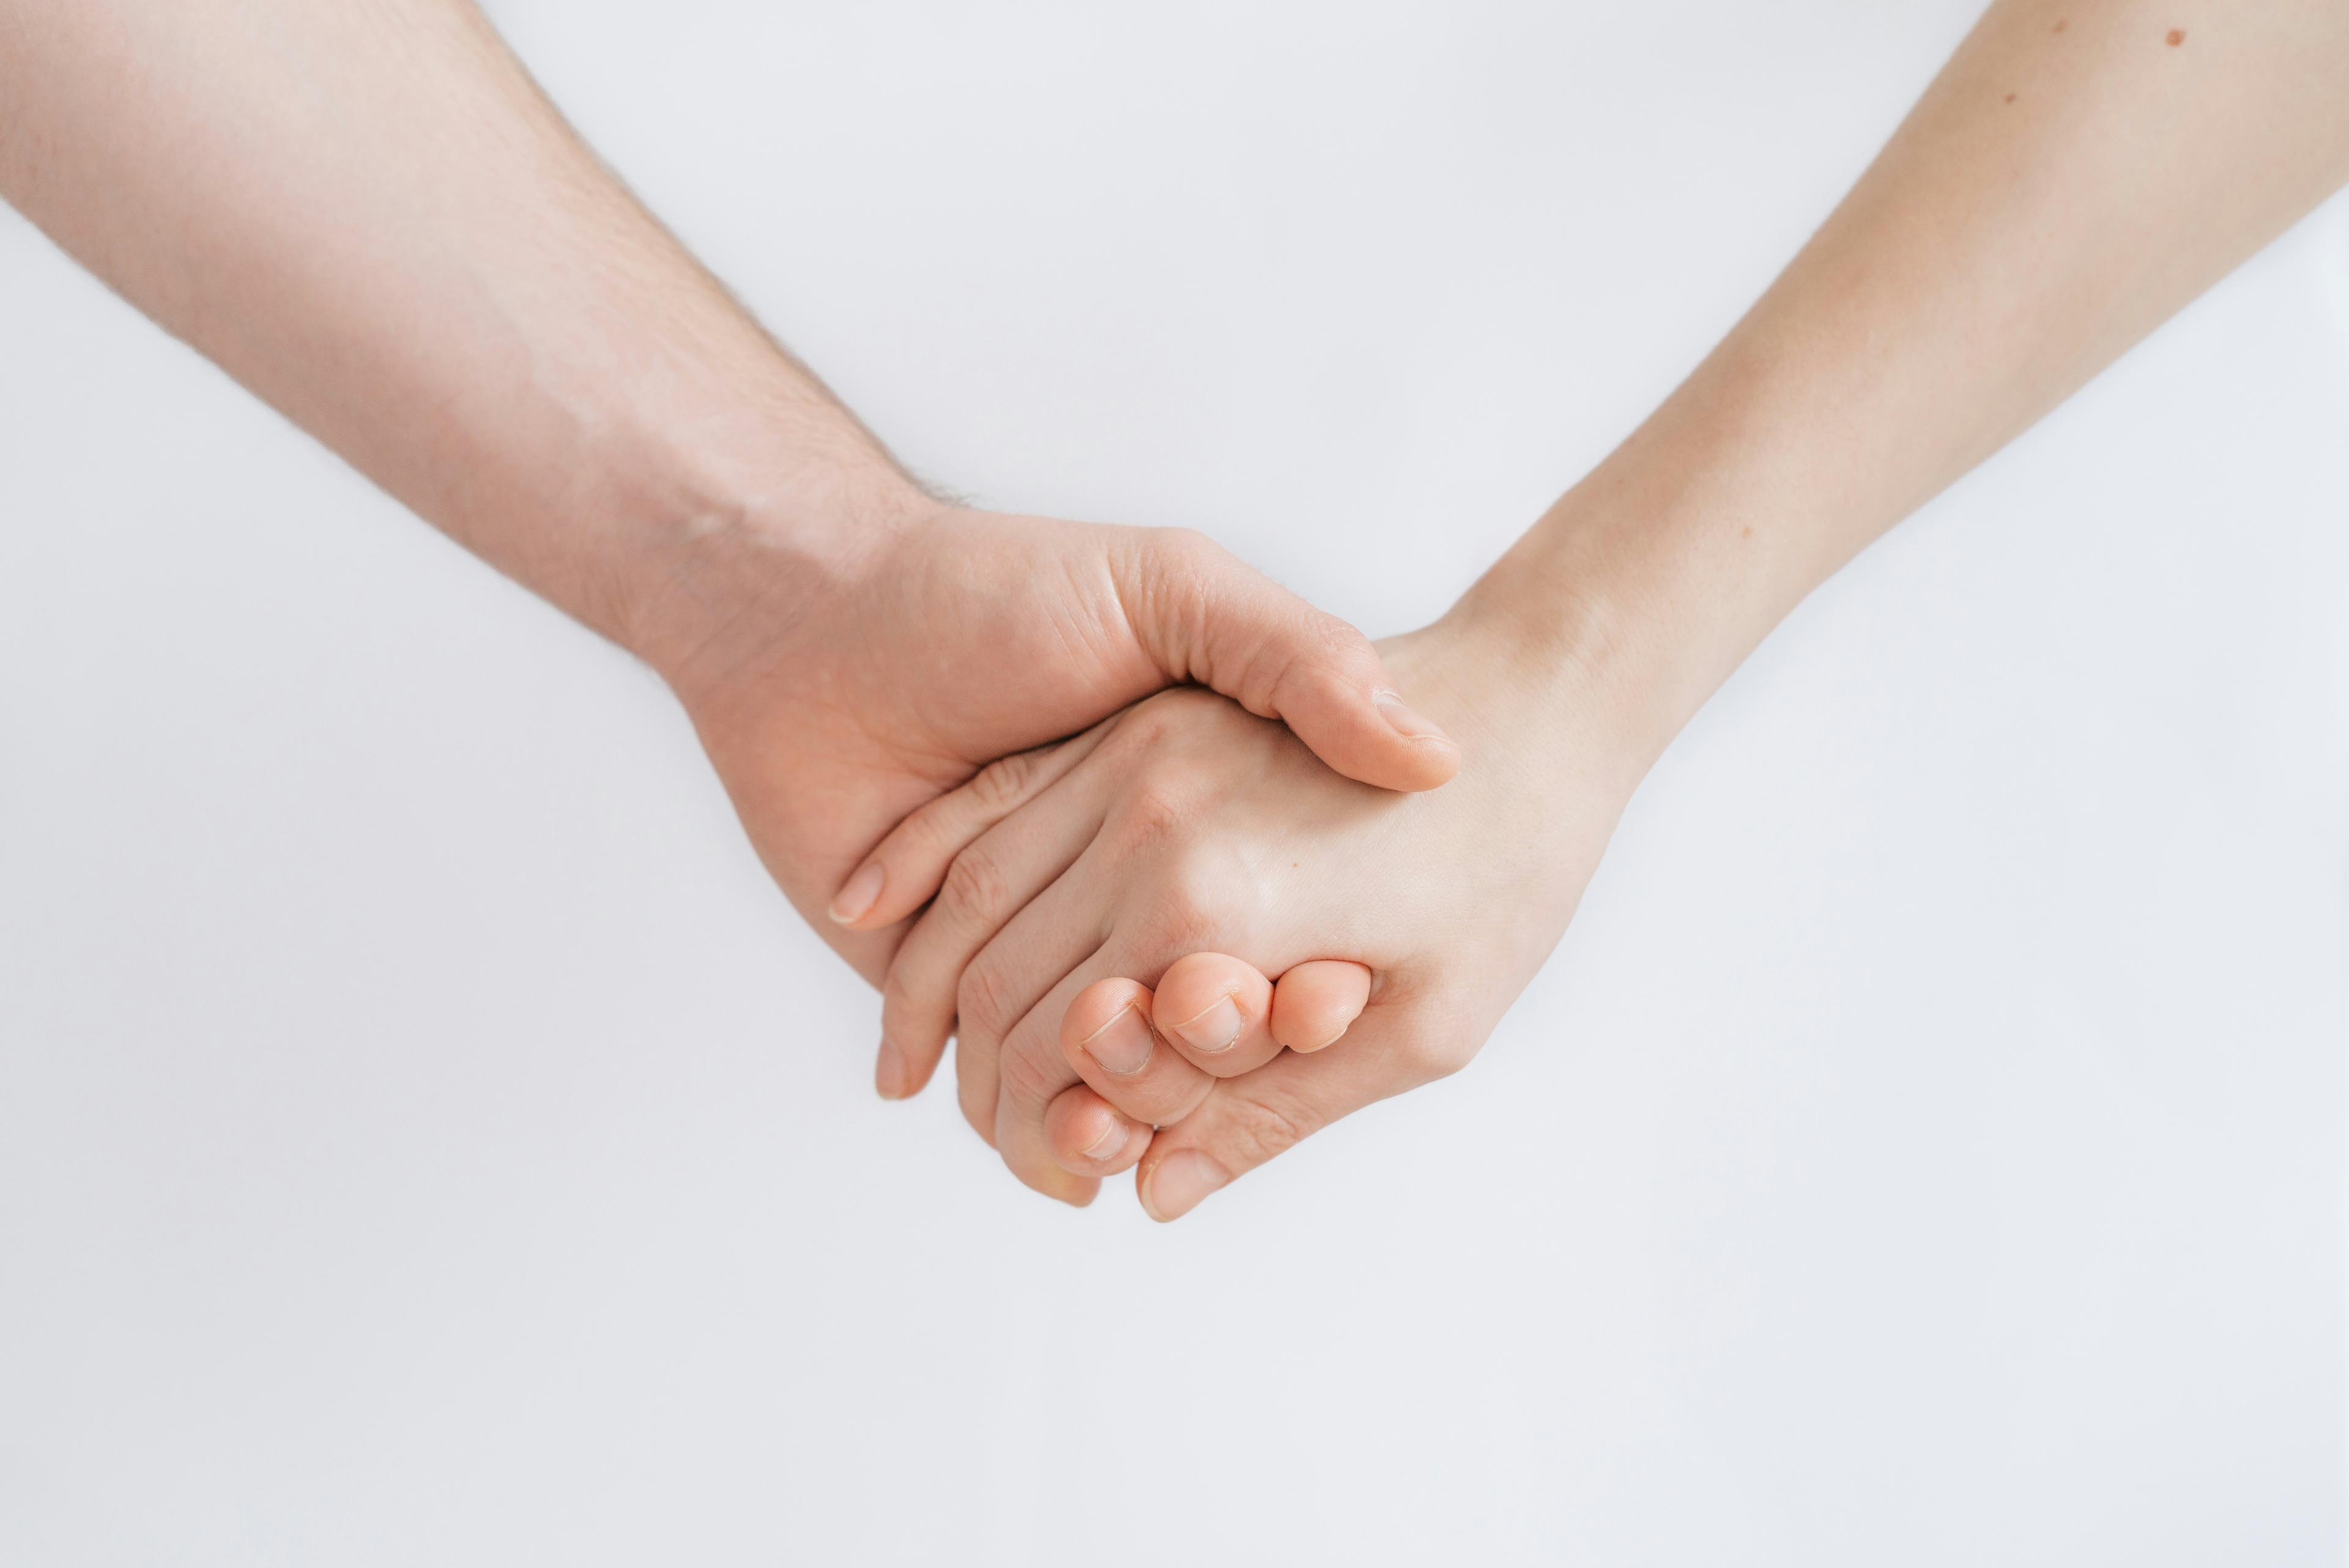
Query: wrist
[[1582, 634], [1543, 687], [1642, 590], [719, 551]]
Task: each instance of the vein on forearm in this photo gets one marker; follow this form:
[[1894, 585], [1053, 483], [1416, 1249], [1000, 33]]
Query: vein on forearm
[[371, 216]]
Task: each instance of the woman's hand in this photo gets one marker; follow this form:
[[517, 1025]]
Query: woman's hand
[[1186, 827], [1223, 1008], [944, 639]]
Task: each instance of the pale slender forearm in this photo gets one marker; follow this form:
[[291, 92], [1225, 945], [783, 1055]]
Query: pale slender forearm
[[2055, 196], [370, 216], [2072, 179]]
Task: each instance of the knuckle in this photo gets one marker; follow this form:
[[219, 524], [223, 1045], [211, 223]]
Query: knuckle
[[1439, 1052], [1201, 902], [976, 891], [1167, 726], [1187, 548], [1321, 650], [1256, 1129], [1197, 887], [1431, 1065], [1030, 1078], [1138, 730], [1001, 783], [1158, 810], [980, 1003], [1284, 662], [1186, 914], [1338, 639]]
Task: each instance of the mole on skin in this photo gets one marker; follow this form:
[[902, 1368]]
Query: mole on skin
[[2009, 98], [2061, 24], [2177, 36]]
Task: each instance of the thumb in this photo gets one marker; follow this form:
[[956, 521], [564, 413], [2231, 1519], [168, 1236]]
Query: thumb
[[1205, 615]]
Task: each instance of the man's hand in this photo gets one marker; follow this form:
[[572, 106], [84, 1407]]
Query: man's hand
[[370, 216], [948, 638]]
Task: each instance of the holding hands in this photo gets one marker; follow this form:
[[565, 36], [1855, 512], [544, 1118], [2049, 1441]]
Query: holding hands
[[1104, 925], [1220, 917], [836, 700], [1146, 939]]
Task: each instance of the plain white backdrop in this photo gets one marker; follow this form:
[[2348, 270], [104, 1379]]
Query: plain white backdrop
[[425, 1137]]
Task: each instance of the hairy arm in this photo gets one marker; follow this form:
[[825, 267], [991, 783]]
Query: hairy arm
[[368, 214], [2076, 174]]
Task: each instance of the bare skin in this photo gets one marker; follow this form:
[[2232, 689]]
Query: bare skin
[[2076, 174], [370, 216]]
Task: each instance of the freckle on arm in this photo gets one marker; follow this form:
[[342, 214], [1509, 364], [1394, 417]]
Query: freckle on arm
[[2177, 36]]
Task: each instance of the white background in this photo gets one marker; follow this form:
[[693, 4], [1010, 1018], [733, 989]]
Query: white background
[[424, 1138]]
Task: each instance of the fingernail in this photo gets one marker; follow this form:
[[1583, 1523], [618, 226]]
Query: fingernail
[[1110, 1144], [1308, 1050], [1400, 718], [1217, 1029], [1178, 1184], [1122, 1046], [863, 890], [889, 1072]]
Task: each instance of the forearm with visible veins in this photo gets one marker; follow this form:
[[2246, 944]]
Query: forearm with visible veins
[[369, 216]]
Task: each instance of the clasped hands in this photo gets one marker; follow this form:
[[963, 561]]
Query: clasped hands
[[1246, 897], [1142, 831]]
